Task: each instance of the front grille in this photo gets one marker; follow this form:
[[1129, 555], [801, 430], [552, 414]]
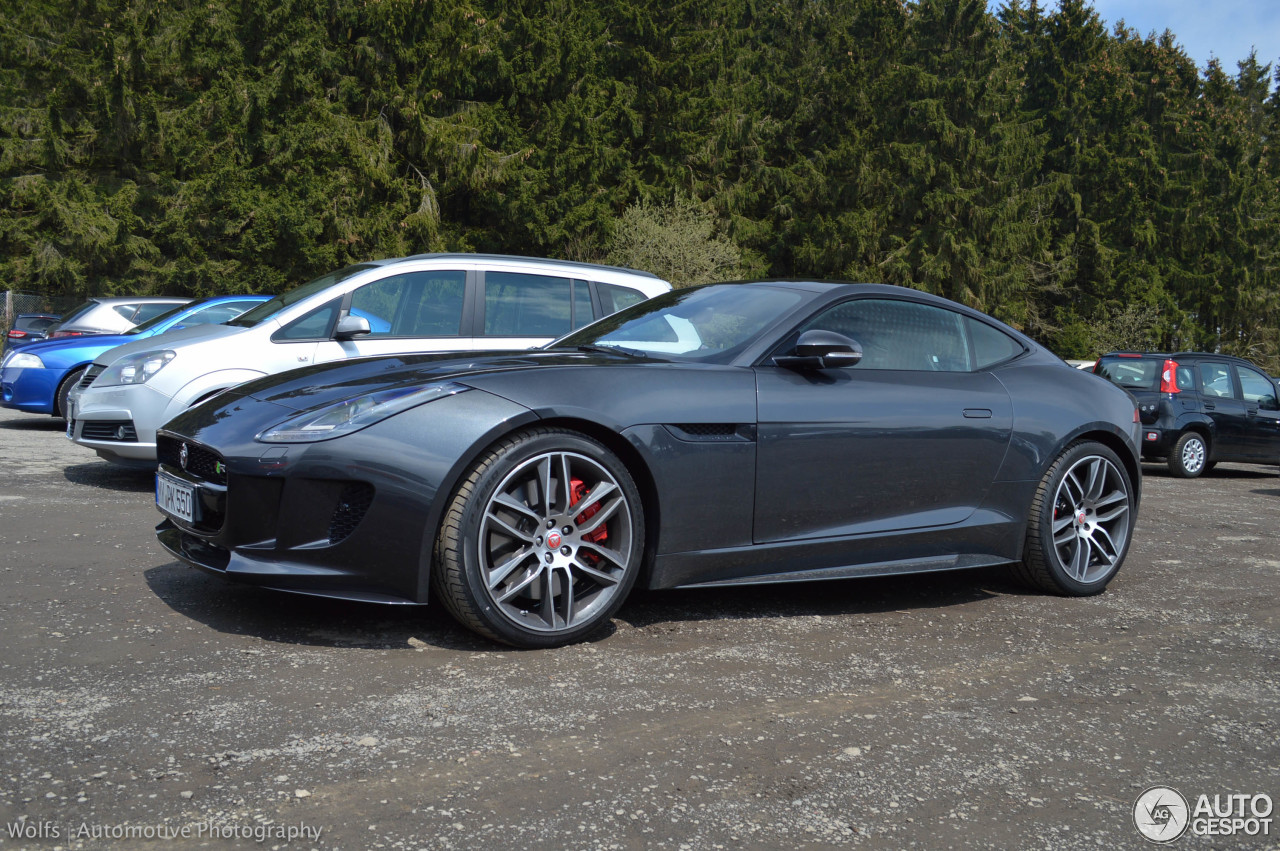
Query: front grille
[[121, 431], [201, 463], [91, 373], [353, 502]]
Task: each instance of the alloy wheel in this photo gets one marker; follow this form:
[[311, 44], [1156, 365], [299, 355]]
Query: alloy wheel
[[1193, 456], [555, 541], [1091, 519]]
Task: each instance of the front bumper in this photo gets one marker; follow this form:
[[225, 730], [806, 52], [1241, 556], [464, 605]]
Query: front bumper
[[119, 423], [29, 389], [352, 518]]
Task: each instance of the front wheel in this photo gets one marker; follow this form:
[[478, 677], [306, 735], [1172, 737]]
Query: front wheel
[[542, 541], [64, 390], [1080, 523]]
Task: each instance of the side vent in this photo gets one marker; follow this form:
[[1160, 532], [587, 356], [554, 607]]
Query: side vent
[[713, 432]]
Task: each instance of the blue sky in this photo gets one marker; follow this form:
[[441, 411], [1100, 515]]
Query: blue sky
[[1226, 29]]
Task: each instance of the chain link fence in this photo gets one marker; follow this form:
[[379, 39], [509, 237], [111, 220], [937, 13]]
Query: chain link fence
[[12, 304]]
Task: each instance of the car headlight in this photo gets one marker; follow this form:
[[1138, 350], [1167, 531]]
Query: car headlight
[[355, 413], [18, 360], [134, 369]]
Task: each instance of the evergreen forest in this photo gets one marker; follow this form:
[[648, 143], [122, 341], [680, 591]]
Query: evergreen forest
[[1090, 186]]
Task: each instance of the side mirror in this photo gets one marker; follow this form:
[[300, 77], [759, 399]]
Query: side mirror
[[821, 350], [350, 326]]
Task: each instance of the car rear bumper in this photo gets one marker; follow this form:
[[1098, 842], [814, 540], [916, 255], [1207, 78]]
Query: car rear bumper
[[1157, 442]]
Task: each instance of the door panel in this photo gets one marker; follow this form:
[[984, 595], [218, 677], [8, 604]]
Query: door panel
[[844, 452], [1221, 405], [1262, 414]]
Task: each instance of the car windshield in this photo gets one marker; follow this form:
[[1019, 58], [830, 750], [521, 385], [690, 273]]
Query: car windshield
[[709, 323], [268, 309], [156, 320]]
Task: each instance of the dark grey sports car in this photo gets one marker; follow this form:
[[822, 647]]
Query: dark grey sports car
[[735, 433]]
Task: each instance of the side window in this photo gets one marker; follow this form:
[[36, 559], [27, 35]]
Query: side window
[[582, 314], [416, 304], [1258, 388], [1186, 380], [900, 334], [125, 310], [218, 313], [614, 297], [315, 325], [151, 310], [990, 345], [1215, 378], [521, 305]]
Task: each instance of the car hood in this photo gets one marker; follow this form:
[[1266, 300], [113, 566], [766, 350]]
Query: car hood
[[167, 340], [322, 384], [63, 345]]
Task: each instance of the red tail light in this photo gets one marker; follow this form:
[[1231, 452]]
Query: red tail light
[[1169, 377], [67, 334], [15, 334], [1136, 418]]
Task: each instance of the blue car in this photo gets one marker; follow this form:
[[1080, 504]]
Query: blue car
[[37, 378]]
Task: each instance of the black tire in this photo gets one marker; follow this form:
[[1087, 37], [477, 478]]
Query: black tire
[[527, 557], [64, 390], [1190, 456], [1080, 524]]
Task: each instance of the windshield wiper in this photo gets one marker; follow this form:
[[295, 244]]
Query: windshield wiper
[[615, 350]]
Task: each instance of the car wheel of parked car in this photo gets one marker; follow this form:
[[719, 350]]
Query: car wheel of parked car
[[542, 540], [1078, 532], [1189, 457], [65, 388]]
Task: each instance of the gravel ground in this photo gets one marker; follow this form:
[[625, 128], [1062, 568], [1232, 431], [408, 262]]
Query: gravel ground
[[139, 698]]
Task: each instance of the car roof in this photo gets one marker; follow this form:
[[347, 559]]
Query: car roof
[[1176, 355], [512, 258], [116, 299]]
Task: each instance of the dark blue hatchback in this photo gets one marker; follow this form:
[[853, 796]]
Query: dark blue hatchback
[[38, 377]]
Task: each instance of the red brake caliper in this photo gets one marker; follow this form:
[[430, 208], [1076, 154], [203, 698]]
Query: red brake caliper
[[577, 490]]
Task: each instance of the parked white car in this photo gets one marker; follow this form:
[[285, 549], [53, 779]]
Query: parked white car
[[430, 302]]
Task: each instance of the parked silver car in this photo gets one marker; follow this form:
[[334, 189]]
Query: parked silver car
[[429, 302], [112, 315]]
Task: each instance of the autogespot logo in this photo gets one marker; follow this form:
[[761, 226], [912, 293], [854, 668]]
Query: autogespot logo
[[1161, 814]]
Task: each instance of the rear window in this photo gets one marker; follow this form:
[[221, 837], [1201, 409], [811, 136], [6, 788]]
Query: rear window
[[1138, 373]]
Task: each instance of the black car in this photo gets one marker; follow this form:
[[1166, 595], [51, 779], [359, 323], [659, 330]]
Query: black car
[[29, 328], [1198, 409], [730, 434]]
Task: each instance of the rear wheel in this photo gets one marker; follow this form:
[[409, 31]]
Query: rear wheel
[[1081, 517], [65, 388], [1190, 456], [542, 541]]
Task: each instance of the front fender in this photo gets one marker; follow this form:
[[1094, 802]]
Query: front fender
[[209, 383]]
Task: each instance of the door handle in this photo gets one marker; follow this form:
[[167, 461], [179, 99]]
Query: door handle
[[1209, 406], [977, 413], [1253, 412]]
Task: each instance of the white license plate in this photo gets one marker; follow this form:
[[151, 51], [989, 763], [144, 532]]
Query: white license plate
[[175, 498]]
